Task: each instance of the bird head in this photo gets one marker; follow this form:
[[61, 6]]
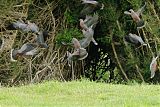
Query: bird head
[[131, 10]]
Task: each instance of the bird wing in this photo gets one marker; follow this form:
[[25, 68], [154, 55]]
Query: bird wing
[[89, 2], [20, 25], [131, 39], [139, 39], [139, 12], [13, 55], [76, 43], [33, 27], [26, 48], [88, 8], [32, 52], [88, 17], [92, 20], [85, 42], [81, 58], [2, 43]]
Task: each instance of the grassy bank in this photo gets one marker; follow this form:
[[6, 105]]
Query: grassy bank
[[80, 94]]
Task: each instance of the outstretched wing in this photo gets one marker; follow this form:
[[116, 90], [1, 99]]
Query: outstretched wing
[[89, 2], [76, 43], [139, 12], [91, 20], [32, 27], [26, 48], [13, 55], [139, 39]]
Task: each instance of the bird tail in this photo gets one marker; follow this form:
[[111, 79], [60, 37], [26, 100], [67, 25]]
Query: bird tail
[[152, 74], [144, 44], [140, 24], [13, 55], [2, 44]]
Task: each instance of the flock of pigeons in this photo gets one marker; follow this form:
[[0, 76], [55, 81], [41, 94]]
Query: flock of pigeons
[[87, 26], [137, 40], [27, 49]]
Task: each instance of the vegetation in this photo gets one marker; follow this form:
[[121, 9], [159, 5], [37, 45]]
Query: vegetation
[[113, 60]]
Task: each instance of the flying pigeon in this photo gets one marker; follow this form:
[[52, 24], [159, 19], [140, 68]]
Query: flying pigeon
[[136, 16], [25, 27], [28, 49], [19, 25], [153, 66], [79, 52], [134, 39]]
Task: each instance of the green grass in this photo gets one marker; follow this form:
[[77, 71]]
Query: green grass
[[80, 94]]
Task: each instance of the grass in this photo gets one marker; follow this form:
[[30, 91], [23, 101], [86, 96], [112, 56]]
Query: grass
[[80, 94]]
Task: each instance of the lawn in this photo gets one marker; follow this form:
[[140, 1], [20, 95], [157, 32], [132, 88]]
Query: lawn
[[80, 94]]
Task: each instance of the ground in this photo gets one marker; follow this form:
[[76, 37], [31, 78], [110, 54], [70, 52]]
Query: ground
[[80, 94]]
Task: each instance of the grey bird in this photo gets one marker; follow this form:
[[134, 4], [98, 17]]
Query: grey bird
[[136, 16], [28, 49], [79, 52], [153, 66], [20, 25], [40, 39], [90, 7], [25, 27], [134, 39]]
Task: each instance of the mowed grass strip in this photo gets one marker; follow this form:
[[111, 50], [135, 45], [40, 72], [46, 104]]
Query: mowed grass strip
[[80, 94]]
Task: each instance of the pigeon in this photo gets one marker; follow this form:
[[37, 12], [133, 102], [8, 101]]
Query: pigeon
[[28, 49], [20, 25], [79, 52], [136, 16], [153, 66], [25, 27], [134, 39]]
